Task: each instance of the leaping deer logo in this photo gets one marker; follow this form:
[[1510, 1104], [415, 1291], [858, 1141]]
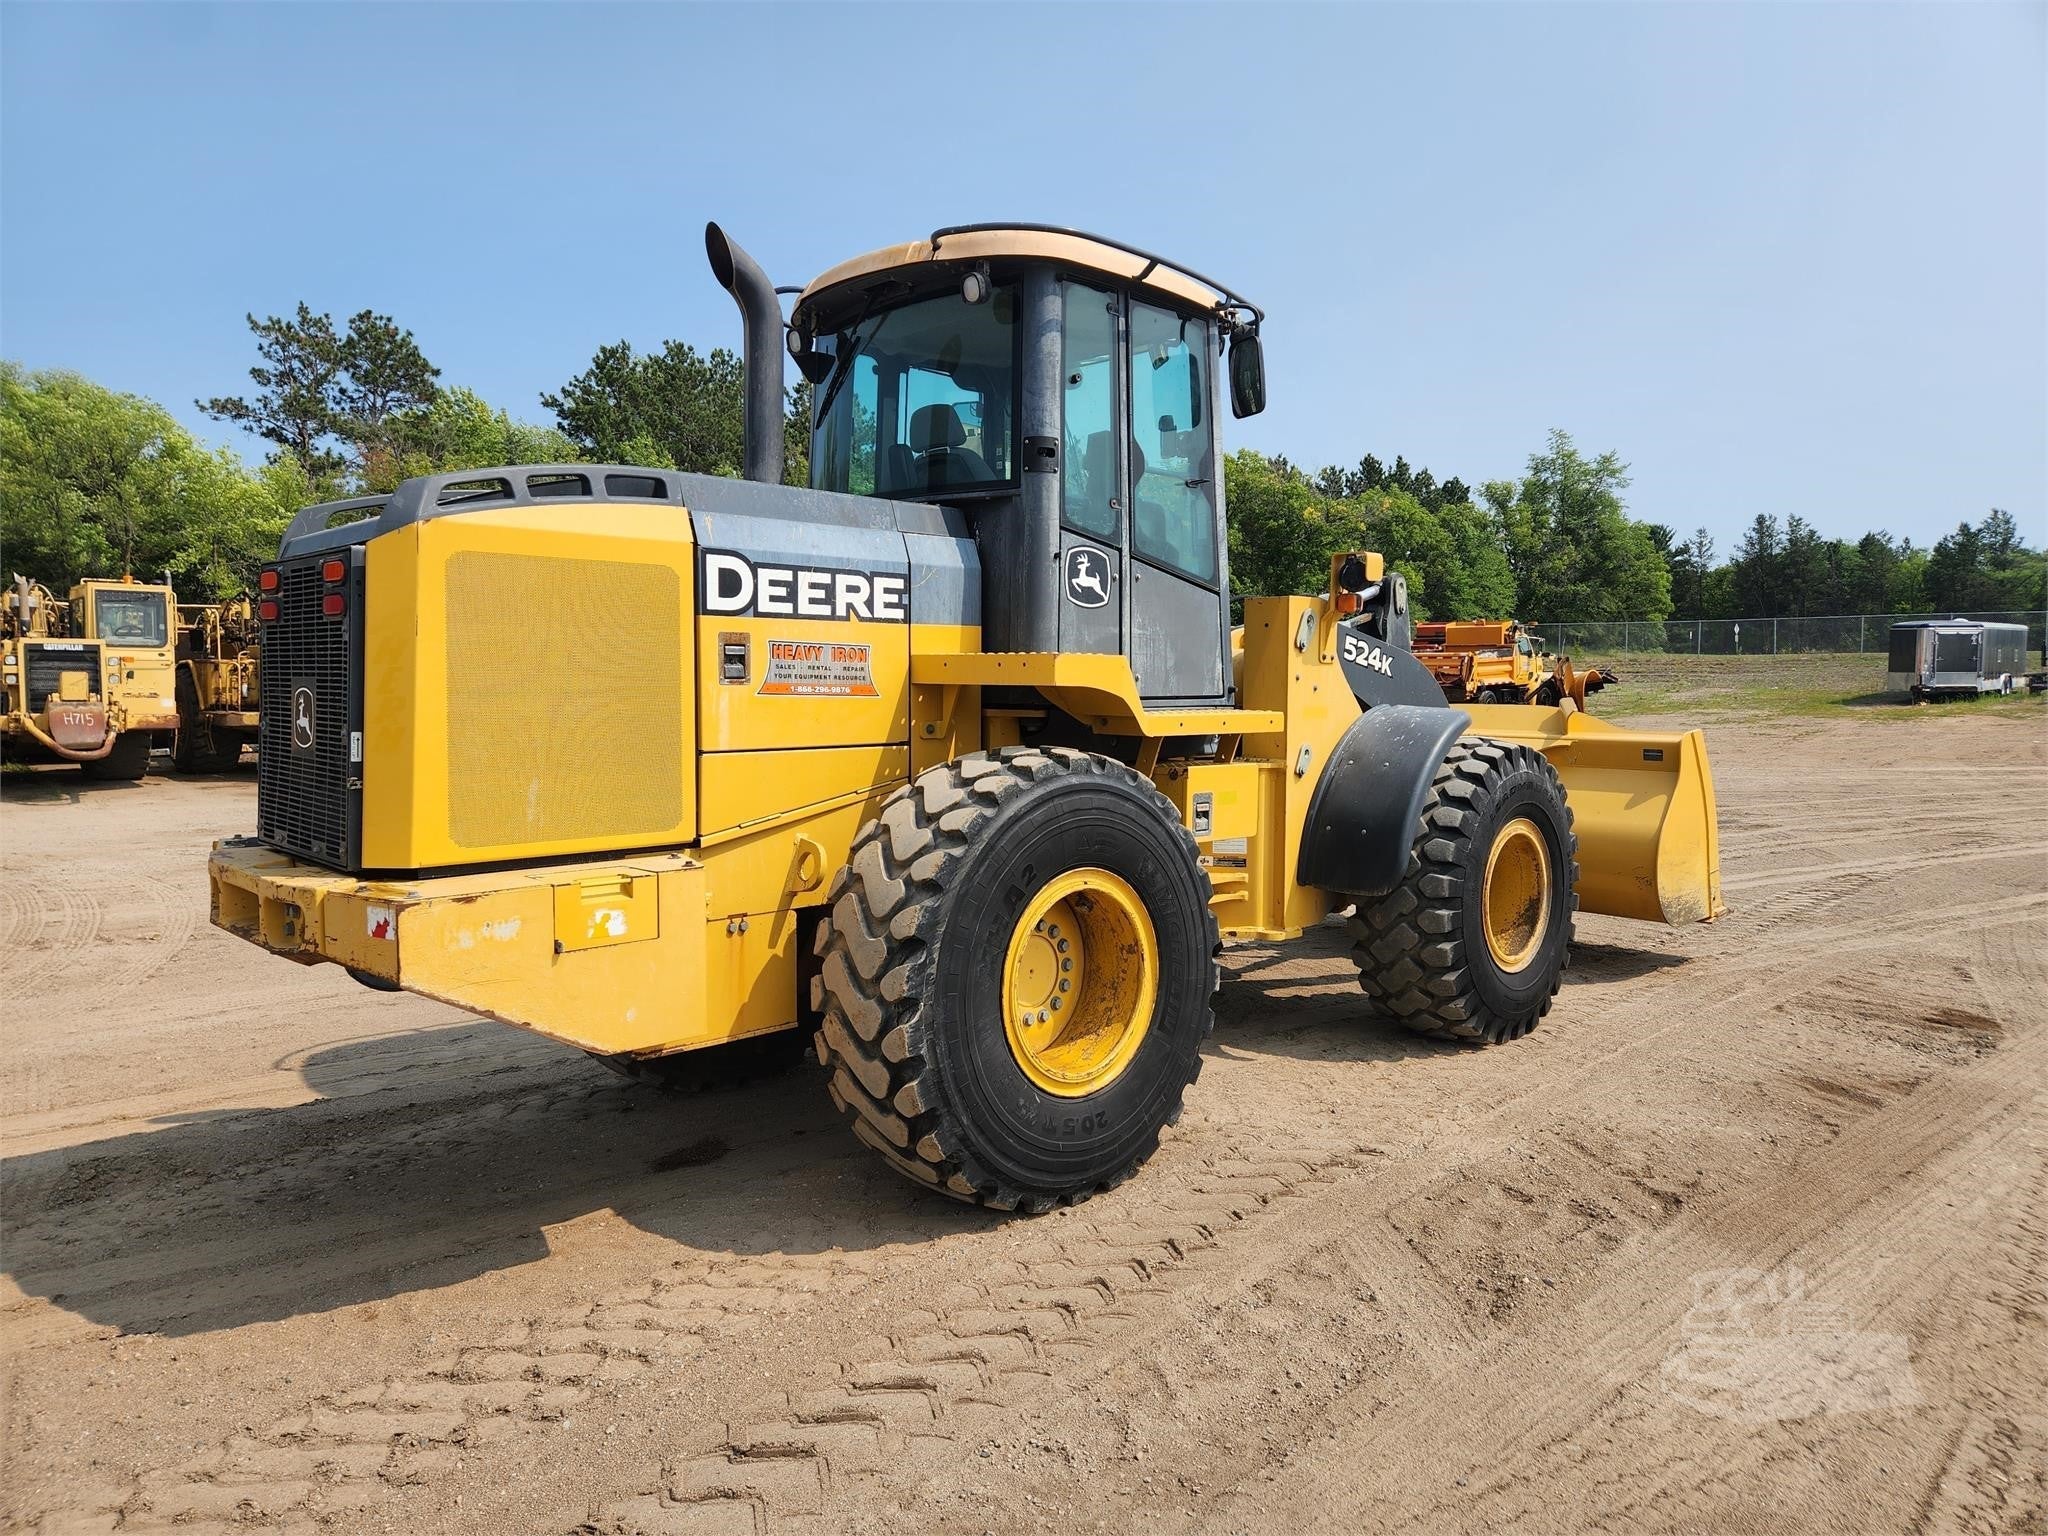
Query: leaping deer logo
[[302, 717], [1084, 576]]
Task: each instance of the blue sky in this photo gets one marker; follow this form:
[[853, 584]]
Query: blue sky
[[1783, 258]]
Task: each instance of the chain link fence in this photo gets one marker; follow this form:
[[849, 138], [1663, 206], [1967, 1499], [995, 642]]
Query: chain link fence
[[1848, 634]]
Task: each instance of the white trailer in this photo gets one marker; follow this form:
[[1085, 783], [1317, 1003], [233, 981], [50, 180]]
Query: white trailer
[[1937, 658]]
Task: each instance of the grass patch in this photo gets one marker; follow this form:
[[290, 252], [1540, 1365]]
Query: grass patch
[[1837, 687]]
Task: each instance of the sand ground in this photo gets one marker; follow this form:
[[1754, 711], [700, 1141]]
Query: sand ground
[[1751, 1234]]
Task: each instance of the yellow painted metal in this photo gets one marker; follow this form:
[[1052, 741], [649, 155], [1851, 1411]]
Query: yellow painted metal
[[740, 790], [1642, 806], [945, 718], [1098, 690], [811, 683], [141, 680], [485, 735], [1515, 904], [1303, 688], [612, 908], [1080, 980]]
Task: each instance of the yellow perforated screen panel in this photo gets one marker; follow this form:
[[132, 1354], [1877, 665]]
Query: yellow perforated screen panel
[[565, 699]]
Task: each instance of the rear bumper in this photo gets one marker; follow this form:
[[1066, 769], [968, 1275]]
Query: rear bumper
[[610, 957]]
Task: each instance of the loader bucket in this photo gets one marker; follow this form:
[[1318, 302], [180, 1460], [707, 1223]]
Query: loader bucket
[[1642, 804]]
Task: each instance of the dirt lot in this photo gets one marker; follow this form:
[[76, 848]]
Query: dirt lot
[[1752, 1234]]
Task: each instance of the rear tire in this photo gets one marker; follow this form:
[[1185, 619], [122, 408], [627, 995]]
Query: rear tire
[[935, 933], [128, 761], [1487, 696], [1472, 944], [198, 748]]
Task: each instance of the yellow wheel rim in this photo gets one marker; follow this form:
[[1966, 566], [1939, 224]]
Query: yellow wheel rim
[[1517, 894], [1079, 982]]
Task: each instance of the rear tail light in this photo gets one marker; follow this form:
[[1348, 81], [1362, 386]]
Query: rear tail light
[[267, 609], [334, 605], [333, 570], [266, 580]]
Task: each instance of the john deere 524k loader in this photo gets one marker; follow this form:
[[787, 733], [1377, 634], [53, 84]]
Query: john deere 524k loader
[[953, 759]]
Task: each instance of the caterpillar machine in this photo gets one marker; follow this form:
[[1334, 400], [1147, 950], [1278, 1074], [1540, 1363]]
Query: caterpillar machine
[[135, 623], [952, 759], [218, 684], [71, 694]]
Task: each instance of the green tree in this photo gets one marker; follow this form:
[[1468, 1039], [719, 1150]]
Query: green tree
[[1569, 541], [460, 430], [299, 363], [1757, 561], [329, 397], [95, 483], [679, 405]]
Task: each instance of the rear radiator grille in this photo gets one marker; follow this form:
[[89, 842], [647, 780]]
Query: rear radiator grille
[[304, 802], [565, 700]]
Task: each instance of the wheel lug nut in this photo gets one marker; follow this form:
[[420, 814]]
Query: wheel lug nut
[[1066, 965], [1055, 1005], [1041, 1015], [1061, 946], [1064, 985]]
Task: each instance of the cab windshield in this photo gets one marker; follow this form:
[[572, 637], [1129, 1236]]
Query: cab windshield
[[921, 400], [134, 618]]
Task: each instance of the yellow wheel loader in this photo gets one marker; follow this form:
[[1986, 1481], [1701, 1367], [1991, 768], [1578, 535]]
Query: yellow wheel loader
[[952, 760]]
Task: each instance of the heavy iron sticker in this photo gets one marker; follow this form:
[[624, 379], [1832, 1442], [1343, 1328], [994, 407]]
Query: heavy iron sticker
[[819, 669]]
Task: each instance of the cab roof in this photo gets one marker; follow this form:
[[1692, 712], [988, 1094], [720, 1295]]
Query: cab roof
[[1040, 242]]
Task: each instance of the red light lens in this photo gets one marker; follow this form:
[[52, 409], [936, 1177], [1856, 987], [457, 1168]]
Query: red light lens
[[333, 570], [334, 605], [267, 580], [266, 610]]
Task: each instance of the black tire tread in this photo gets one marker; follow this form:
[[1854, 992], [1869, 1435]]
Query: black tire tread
[[128, 761], [1409, 951], [883, 911]]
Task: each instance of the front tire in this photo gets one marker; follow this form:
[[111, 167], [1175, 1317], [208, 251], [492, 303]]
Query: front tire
[[1472, 944], [128, 761], [1016, 976]]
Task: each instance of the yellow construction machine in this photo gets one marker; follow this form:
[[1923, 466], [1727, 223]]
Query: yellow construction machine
[[70, 696], [219, 684], [1492, 661], [136, 625], [952, 760]]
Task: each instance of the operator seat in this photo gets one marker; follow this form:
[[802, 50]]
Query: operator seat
[[938, 439]]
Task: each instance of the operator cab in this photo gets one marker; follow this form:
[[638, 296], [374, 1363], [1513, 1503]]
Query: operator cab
[[1063, 391]]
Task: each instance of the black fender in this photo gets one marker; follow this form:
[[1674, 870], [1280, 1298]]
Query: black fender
[[1365, 808], [1381, 672]]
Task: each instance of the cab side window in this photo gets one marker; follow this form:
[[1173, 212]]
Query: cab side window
[[1089, 489], [1173, 464]]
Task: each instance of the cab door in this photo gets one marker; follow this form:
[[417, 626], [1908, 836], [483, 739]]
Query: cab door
[[1092, 489], [1179, 618]]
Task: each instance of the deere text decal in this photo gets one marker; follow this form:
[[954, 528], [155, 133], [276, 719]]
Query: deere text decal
[[731, 583], [819, 669]]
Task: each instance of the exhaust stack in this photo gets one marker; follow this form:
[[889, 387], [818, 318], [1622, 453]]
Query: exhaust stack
[[741, 276]]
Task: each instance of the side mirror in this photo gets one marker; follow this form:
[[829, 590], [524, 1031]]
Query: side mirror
[[1247, 375]]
